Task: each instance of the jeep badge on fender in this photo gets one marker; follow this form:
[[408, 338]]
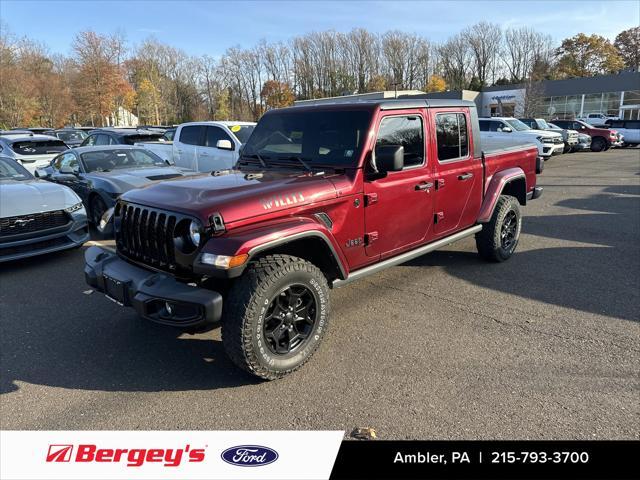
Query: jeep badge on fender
[[259, 248]]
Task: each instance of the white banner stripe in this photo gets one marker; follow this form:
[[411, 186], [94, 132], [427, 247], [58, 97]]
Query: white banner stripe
[[115, 455]]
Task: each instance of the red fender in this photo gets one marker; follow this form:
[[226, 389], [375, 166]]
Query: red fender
[[494, 190]]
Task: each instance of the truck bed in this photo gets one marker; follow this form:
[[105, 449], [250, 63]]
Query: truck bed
[[494, 146]]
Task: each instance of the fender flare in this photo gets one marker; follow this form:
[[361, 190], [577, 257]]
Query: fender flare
[[494, 190]]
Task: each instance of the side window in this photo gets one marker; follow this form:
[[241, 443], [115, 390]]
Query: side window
[[485, 125], [191, 135], [91, 140], [66, 160], [214, 134], [112, 141], [406, 131], [102, 139], [495, 126], [634, 124], [452, 136]]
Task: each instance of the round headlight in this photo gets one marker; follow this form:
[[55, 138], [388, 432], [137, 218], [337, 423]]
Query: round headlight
[[194, 233]]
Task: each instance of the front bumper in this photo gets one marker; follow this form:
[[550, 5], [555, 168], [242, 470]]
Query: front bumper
[[158, 297], [49, 241]]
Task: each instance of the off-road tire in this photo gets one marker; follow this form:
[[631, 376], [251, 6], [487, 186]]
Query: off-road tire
[[246, 305], [489, 240]]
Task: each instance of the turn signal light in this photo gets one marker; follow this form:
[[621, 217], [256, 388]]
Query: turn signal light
[[224, 261]]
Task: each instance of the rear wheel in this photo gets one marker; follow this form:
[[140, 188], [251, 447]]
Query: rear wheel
[[598, 144], [275, 316], [98, 207], [498, 239]]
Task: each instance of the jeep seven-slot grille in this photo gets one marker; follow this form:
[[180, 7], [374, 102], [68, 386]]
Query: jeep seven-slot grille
[[32, 223], [146, 235]]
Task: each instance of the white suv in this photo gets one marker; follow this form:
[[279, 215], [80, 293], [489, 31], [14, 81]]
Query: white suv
[[549, 143]]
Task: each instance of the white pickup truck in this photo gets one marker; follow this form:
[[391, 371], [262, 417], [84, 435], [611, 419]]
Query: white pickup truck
[[203, 146]]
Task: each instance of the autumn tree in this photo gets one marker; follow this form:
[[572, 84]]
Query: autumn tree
[[586, 56], [277, 94], [628, 45], [436, 84]]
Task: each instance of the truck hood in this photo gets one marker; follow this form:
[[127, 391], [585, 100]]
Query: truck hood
[[128, 178], [33, 196], [236, 195], [542, 133]]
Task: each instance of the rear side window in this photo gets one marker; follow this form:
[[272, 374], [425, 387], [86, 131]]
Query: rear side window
[[405, 131], [191, 135], [635, 124], [39, 147], [214, 134], [452, 136], [102, 140]]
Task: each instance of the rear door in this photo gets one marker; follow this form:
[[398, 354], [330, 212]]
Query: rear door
[[458, 175], [210, 157], [399, 207], [186, 144]]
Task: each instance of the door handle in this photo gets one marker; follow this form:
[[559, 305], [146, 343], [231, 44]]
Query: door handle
[[424, 186], [465, 176]]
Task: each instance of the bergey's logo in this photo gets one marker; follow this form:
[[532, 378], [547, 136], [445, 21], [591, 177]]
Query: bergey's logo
[[249, 455], [59, 453]]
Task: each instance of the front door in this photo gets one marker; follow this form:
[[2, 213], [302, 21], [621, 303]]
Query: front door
[[210, 157], [185, 146], [458, 176], [399, 207]]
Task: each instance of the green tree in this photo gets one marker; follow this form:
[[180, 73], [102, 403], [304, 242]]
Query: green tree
[[628, 45], [586, 56]]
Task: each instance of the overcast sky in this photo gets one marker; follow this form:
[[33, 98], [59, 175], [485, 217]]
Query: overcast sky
[[200, 27]]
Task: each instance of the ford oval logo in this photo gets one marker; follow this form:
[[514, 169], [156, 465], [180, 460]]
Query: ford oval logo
[[249, 455]]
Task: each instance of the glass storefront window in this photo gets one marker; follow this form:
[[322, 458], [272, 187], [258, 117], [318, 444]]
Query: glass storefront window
[[632, 97], [611, 103], [592, 103]]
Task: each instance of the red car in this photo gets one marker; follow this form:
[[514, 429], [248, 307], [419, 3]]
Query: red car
[[601, 138], [322, 195]]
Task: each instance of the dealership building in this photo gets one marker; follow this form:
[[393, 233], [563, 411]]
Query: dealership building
[[615, 95]]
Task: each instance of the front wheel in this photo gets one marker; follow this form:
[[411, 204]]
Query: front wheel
[[98, 207], [275, 316], [498, 239], [598, 144]]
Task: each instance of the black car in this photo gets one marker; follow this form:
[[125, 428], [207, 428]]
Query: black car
[[120, 136], [73, 137], [99, 175]]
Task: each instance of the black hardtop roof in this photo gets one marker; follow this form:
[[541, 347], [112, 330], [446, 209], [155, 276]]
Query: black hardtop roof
[[386, 104], [127, 131]]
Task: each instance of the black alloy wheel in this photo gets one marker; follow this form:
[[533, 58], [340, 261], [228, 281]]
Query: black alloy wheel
[[508, 230], [290, 319]]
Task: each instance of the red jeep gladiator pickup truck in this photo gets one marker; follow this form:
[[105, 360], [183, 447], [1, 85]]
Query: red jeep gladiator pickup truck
[[322, 195]]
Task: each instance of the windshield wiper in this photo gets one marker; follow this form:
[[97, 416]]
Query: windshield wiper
[[257, 157], [298, 159]]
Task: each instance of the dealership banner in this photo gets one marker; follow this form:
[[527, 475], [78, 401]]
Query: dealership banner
[[202, 455], [217, 455]]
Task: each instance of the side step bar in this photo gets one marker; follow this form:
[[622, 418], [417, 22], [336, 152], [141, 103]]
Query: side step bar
[[405, 257]]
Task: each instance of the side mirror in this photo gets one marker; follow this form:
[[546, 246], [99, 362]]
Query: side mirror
[[169, 162], [42, 173], [67, 170], [224, 145], [389, 158], [507, 129]]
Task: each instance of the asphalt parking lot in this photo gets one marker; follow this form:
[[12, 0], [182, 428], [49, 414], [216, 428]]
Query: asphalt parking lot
[[544, 346]]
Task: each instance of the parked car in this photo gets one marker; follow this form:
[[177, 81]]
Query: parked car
[[570, 137], [119, 136], [30, 150], [584, 140], [549, 143], [37, 217], [323, 195], [100, 174], [630, 129], [169, 134], [597, 119], [601, 138], [204, 146], [36, 130], [73, 137]]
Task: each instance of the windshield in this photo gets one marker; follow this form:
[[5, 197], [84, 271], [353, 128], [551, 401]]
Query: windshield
[[38, 147], [74, 136], [554, 126], [132, 139], [11, 170], [242, 132], [544, 124], [319, 138], [517, 125], [107, 160]]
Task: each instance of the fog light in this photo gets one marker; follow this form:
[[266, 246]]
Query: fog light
[[223, 261]]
